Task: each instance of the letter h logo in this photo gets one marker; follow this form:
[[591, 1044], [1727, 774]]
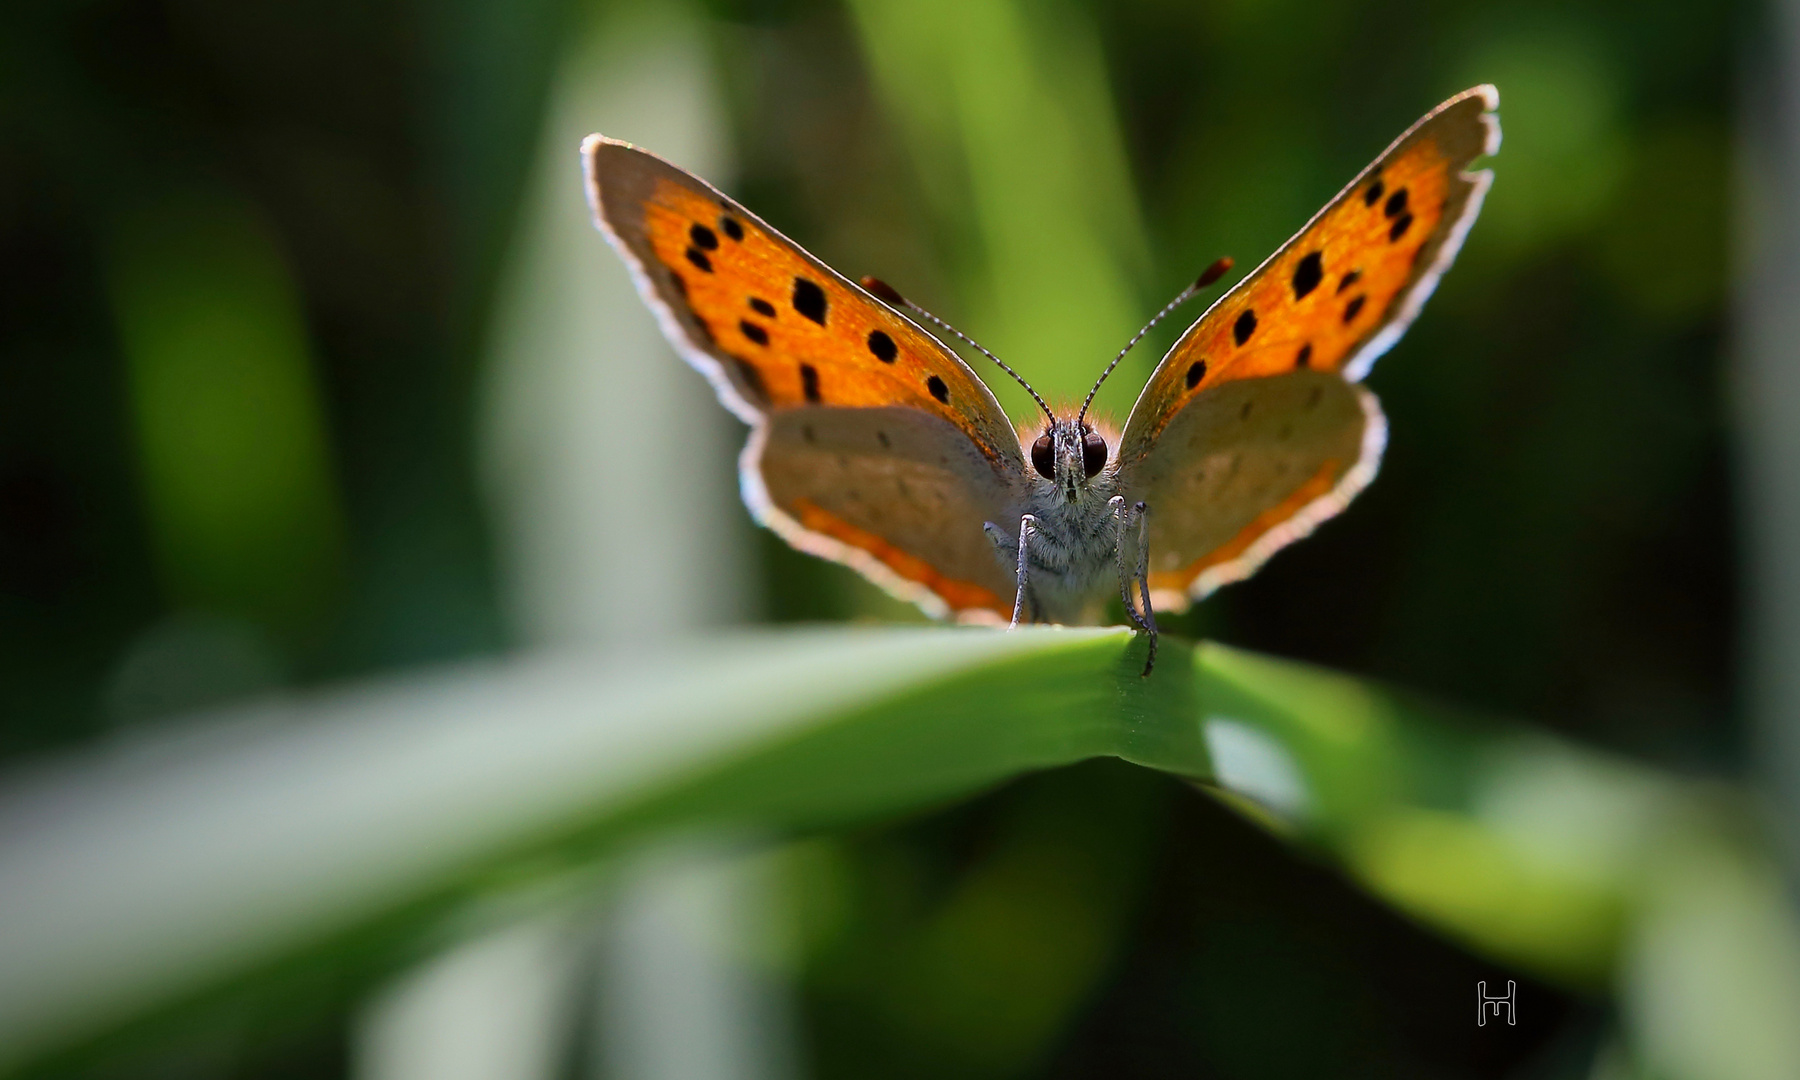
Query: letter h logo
[[1483, 1003]]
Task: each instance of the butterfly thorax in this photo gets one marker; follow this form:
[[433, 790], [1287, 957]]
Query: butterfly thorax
[[1072, 477]]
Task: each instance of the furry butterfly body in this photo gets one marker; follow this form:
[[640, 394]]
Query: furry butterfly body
[[874, 444]]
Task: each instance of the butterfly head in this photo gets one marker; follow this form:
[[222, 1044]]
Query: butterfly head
[[1069, 454]]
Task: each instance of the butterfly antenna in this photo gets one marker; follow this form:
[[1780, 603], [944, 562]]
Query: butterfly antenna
[[1207, 277], [889, 295]]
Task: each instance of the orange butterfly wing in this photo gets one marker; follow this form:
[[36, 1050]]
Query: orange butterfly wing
[[790, 345], [1331, 300]]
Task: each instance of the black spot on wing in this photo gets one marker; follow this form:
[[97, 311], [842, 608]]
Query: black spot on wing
[[809, 299], [938, 389], [1305, 357], [1308, 272], [731, 227], [699, 259], [1355, 308], [1401, 224], [882, 346], [1396, 204], [809, 382], [762, 307], [1244, 327], [753, 332], [703, 238], [1371, 196], [1195, 373], [1350, 279]]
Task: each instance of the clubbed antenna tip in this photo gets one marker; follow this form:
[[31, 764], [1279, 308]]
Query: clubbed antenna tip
[[882, 291], [1207, 276]]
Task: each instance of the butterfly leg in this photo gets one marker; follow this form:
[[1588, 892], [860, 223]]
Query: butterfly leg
[[1027, 524], [1122, 516], [1143, 579], [1140, 612]]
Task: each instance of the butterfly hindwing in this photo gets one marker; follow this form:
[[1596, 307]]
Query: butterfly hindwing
[[901, 489], [873, 444], [1301, 328], [1252, 466]]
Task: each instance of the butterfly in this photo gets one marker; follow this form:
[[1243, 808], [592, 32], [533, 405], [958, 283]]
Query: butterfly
[[875, 445]]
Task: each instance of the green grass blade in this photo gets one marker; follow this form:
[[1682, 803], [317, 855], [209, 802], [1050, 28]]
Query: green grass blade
[[144, 874], [237, 852]]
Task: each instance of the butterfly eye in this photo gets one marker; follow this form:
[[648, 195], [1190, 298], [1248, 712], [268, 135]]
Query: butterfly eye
[[1042, 459], [1093, 453]]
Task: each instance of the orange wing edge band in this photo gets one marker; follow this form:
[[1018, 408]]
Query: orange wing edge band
[[1311, 504]]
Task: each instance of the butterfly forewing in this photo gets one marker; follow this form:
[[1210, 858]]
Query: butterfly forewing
[[1327, 303], [867, 428], [783, 328]]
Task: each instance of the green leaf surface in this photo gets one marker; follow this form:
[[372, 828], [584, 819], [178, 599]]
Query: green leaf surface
[[233, 850]]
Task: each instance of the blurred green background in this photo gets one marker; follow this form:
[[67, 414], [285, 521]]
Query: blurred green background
[[280, 279]]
